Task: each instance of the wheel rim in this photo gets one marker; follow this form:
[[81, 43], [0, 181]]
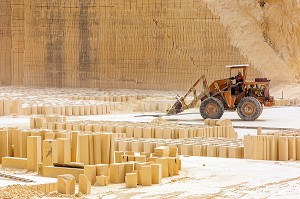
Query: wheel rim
[[248, 108], [211, 109]]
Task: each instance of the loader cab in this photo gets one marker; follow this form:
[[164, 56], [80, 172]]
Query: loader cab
[[237, 85]]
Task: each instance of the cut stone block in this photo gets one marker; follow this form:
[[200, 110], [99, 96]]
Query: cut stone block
[[117, 174], [66, 184], [118, 156], [128, 167], [97, 148], [283, 148], [211, 151], [102, 169], [34, 155], [74, 135], [13, 162], [84, 184], [90, 171], [63, 150], [101, 180], [171, 165], [105, 147], [146, 175], [156, 171], [49, 152], [3, 144], [53, 172], [165, 166], [131, 180], [83, 149], [235, 152], [292, 148], [140, 158]]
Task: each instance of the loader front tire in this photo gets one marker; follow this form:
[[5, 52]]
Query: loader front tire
[[249, 109], [211, 108]]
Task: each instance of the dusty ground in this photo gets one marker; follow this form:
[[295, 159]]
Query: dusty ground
[[203, 176]]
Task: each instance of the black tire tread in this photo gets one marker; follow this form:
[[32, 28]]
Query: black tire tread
[[257, 112], [215, 101]]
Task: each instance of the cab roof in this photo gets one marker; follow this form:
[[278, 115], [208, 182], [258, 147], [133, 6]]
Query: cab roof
[[238, 66]]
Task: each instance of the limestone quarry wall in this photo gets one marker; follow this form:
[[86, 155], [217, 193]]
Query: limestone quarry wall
[[153, 44], [267, 32]]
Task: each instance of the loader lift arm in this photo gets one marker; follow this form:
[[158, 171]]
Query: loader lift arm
[[180, 104]]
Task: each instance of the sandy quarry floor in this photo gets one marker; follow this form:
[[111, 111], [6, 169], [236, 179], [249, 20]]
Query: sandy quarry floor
[[203, 176]]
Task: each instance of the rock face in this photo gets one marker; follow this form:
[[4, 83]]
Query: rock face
[[146, 44], [267, 32]]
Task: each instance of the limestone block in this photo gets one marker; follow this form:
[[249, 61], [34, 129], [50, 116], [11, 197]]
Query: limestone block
[[147, 132], [84, 184], [40, 169], [13, 162], [137, 146], [223, 122], [120, 129], [159, 133], [152, 159], [97, 148], [165, 166], [118, 156], [283, 148], [128, 167], [298, 147], [167, 133], [83, 149], [112, 148], [197, 150], [7, 107], [177, 166], [171, 165], [146, 175], [187, 149], [140, 158], [131, 180], [49, 136], [129, 131], [183, 133], [1, 107], [101, 180], [49, 152], [248, 147], [211, 151], [235, 152], [137, 132], [34, 155], [292, 148], [223, 151], [117, 174], [274, 148], [156, 171], [53, 172], [91, 149], [105, 147], [102, 169], [146, 154], [66, 184], [90, 171], [3, 144], [63, 150], [173, 151], [258, 151], [23, 143]]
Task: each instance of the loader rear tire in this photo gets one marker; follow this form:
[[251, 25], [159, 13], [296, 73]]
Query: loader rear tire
[[211, 108], [249, 109]]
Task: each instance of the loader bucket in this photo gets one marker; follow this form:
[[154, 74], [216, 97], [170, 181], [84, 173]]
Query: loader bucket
[[176, 108]]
